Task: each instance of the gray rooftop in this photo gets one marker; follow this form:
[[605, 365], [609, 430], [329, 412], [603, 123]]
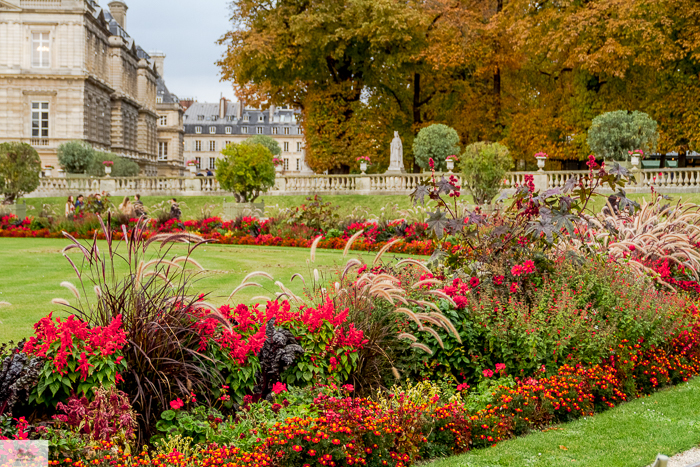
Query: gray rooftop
[[163, 92], [206, 116]]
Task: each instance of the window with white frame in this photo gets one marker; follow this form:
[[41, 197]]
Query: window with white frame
[[298, 164], [260, 130], [41, 50], [197, 145], [162, 150], [286, 146], [227, 143], [198, 129], [200, 118], [244, 130], [286, 164], [159, 100], [230, 118], [214, 118], [246, 118], [261, 118], [286, 130], [212, 163], [212, 130], [40, 119], [298, 147], [228, 130], [212, 145], [199, 162], [299, 131], [275, 130], [163, 120]]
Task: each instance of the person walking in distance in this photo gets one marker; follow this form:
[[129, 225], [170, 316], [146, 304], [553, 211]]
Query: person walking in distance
[[139, 208], [175, 211]]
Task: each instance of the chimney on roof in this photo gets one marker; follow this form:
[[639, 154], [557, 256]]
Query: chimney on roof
[[222, 107], [118, 10], [239, 110], [272, 112], [159, 59]]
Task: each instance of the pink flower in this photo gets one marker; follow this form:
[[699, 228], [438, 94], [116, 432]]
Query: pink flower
[[513, 287], [488, 373], [176, 404], [431, 162], [500, 367], [474, 282], [279, 388], [462, 387]]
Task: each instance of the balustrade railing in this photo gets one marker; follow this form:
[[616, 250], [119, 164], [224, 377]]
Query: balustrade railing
[[681, 180]]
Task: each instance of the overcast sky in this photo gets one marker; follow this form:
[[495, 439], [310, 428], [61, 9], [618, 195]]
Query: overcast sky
[[186, 31]]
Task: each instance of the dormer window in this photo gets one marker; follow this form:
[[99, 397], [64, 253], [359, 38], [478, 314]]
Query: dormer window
[[200, 118], [261, 118], [246, 118], [212, 130]]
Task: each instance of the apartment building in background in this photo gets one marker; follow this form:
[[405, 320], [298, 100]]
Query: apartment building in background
[[210, 127], [70, 71], [171, 132]]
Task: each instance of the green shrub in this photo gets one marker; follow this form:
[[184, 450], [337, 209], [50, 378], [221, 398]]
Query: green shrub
[[20, 167], [75, 156], [613, 134], [122, 167], [246, 170], [437, 142], [264, 140], [484, 165]]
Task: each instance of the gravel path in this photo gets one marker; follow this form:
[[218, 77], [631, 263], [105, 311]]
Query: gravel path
[[685, 459]]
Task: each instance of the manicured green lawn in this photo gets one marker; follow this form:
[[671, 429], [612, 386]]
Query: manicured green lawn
[[31, 271], [630, 435], [193, 207]]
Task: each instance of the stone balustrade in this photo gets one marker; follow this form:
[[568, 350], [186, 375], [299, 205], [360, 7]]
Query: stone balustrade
[[666, 180]]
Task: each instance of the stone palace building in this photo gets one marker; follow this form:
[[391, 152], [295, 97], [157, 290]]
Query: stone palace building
[[70, 71], [210, 127]]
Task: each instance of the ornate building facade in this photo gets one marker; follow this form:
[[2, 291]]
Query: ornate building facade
[[209, 128], [171, 132], [69, 71]]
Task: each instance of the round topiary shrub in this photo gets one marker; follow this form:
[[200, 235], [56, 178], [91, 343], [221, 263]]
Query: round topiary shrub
[[437, 142], [484, 165], [613, 135]]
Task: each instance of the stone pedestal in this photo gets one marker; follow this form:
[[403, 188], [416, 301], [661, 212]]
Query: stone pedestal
[[193, 186], [540, 181], [108, 185], [363, 186]]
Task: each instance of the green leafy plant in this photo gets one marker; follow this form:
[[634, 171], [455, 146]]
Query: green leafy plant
[[484, 166], [196, 423], [614, 134], [435, 142], [122, 166], [20, 167], [75, 157], [316, 214], [271, 144], [246, 170]]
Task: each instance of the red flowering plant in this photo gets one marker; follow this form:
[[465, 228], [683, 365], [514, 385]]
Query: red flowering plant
[[79, 358]]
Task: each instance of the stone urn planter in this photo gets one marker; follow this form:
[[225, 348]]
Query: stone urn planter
[[363, 167], [108, 170], [47, 173], [192, 169], [450, 165], [635, 161], [540, 162]]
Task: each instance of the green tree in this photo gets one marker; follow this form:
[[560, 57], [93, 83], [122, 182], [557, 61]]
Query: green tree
[[484, 165], [20, 167], [75, 157], [613, 134], [271, 144], [246, 171], [436, 141], [122, 167]]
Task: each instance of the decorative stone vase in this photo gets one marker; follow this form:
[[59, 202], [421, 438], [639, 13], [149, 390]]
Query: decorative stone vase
[[540, 163], [279, 168], [192, 169], [450, 165], [363, 167], [47, 173], [635, 161], [108, 170]]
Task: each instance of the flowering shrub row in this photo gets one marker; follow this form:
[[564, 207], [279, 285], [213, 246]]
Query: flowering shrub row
[[252, 231], [423, 420]]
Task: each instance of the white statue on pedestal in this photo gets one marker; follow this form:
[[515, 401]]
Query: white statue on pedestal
[[396, 160]]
